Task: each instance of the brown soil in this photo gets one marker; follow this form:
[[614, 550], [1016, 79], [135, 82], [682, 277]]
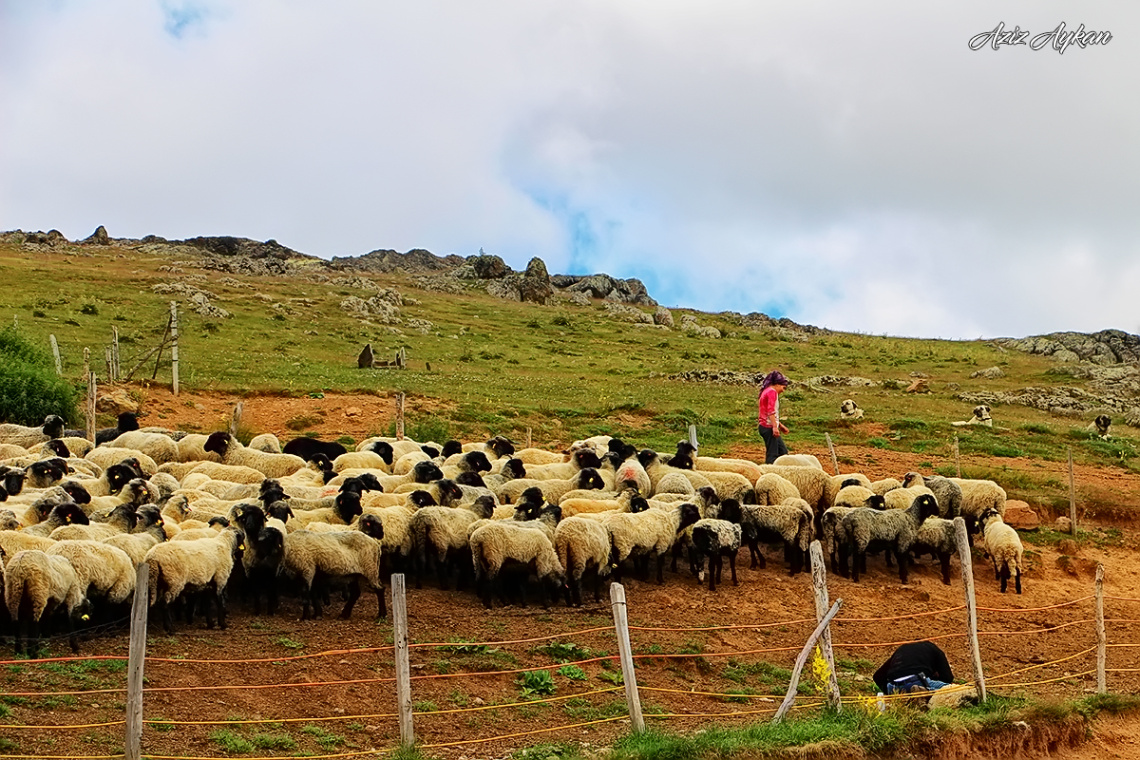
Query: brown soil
[[676, 671]]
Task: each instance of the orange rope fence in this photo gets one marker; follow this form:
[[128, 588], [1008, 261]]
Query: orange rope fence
[[521, 733], [1037, 609], [515, 641], [720, 627]]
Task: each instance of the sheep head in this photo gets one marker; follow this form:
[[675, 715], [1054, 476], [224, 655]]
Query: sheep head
[[584, 458], [127, 422], [426, 472], [470, 479], [53, 426], [687, 515], [12, 479], [370, 525], [590, 479], [476, 461], [431, 451], [420, 499], [69, 513], [730, 511], [58, 447], [501, 446], [449, 491], [383, 449], [219, 443], [451, 447], [514, 469], [348, 505]]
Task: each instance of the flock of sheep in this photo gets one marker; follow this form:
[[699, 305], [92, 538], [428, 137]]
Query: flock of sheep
[[209, 516]]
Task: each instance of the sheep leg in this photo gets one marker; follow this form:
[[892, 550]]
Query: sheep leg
[[903, 564], [353, 595], [857, 559], [997, 573], [842, 552], [1004, 577], [204, 600], [795, 559], [1017, 579], [660, 568], [756, 555], [944, 559], [712, 568], [676, 553], [732, 567]]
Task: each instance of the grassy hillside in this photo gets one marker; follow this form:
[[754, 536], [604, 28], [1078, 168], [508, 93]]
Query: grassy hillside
[[499, 366]]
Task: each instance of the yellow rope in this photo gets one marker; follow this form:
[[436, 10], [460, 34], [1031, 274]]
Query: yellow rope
[[514, 736], [86, 725]]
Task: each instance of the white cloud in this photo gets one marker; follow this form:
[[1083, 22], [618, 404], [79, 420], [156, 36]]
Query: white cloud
[[854, 166]]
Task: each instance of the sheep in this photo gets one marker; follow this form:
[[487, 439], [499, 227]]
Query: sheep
[[578, 461], [728, 482], [45, 473], [498, 544], [135, 493], [161, 448], [105, 456], [773, 489], [205, 565], [136, 545], [539, 457], [423, 472], [12, 451], [363, 460], [977, 497], [305, 448], [510, 469], [471, 461], [61, 514], [892, 529], [12, 542], [440, 534], [122, 519], [902, 498], [264, 550], [216, 471], [835, 483], [850, 497], [552, 490], [1004, 547], [232, 452], [12, 480], [192, 448], [981, 417], [798, 460], [648, 534], [787, 524], [344, 511], [619, 502], [675, 483], [582, 546], [1100, 426], [948, 493], [886, 484], [8, 520], [21, 435], [36, 584], [102, 571], [352, 555], [810, 482], [268, 443], [849, 410], [126, 422], [713, 539], [937, 537]]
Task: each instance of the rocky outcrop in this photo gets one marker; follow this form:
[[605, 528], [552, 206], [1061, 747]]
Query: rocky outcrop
[[690, 326], [757, 321], [627, 313], [1103, 348], [990, 373], [535, 286], [416, 260], [663, 317], [487, 267], [604, 287], [1064, 400], [98, 237], [724, 377]]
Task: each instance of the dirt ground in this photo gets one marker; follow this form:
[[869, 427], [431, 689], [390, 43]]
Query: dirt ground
[[326, 687]]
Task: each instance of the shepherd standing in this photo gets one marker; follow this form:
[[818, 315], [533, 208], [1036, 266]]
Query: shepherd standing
[[768, 410]]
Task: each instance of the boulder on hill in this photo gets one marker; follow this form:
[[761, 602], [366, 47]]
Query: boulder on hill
[[98, 237]]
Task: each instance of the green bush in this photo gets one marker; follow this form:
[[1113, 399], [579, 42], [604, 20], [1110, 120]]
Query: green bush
[[29, 387]]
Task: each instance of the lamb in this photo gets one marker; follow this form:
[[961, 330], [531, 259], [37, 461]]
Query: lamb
[[552, 490], [582, 546], [21, 435], [937, 537], [501, 543], [205, 565], [948, 493], [981, 417], [36, 584], [440, 534], [713, 539], [787, 524], [798, 460], [977, 497], [1004, 547], [849, 410], [161, 448], [902, 498], [647, 534], [232, 452], [892, 529], [101, 570], [352, 555]]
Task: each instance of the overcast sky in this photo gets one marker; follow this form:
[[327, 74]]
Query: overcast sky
[[851, 165]]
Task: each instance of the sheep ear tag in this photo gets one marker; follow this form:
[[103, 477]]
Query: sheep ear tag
[[85, 618]]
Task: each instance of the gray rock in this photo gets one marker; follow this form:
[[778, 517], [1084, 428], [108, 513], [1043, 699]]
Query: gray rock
[[535, 286], [839, 381], [1104, 348], [98, 237], [663, 317], [488, 267], [627, 313], [991, 373]]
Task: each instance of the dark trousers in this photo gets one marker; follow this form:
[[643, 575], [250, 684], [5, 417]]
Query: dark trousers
[[773, 444]]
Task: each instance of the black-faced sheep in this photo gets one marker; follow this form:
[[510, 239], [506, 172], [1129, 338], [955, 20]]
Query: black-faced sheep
[[1004, 547], [500, 546], [233, 453], [713, 539], [648, 534], [306, 448], [552, 489], [891, 529], [61, 514], [200, 567], [22, 435], [161, 448], [583, 547], [102, 571], [264, 550], [947, 492], [977, 497], [346, 555], [439, 534], [786, 524], [35, 585], [937, 537]]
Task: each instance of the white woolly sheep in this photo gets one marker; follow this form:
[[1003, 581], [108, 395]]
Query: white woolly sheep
[[891, 529], [102, 571], [647, 534], [346, 555], [192, 448], [552, 489], [810, 482], [902, 498], [798, 460], [26, 437], [61, 514], [266, 442], [439, 534], [1004, 547], [498, 545], [205, 565], [121, 519], [786, 524], [582, 546], [36, 584], [232, 452], [837, 482], [977, 497], [886, 484], [105, 456], [948, 493], [773, 489], [12, 542], [136, 545], [161, 448]]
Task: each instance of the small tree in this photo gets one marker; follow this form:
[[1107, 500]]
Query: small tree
[[30, 389]]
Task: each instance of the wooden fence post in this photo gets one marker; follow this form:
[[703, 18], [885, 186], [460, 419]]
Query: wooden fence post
[[1101, 639], [957, 460], [1072, 497], [399, 416], [235, 418], [135, 659], [819, 584], [966, 559], [174, 345], [529, 437], [55, 354], [693, 437], [110, 362], [91, 393], [799, 666], [629, 675], [115, 371], [86, 363], [403, 669], [831, 448]]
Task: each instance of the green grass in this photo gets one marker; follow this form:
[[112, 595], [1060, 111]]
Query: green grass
[[327, 739], [231, 742], [280, 742], [536, 683]]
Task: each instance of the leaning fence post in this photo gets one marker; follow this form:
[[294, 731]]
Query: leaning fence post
[[831, 448], [693, 437], [1101, 639], [629, 676], [819, 583], [957, 461], [174, 345], [399, 416], [55, 354], [91, 394], [966, 559], [1072, 497], [403, 669], [135, 659], [794, 685]]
